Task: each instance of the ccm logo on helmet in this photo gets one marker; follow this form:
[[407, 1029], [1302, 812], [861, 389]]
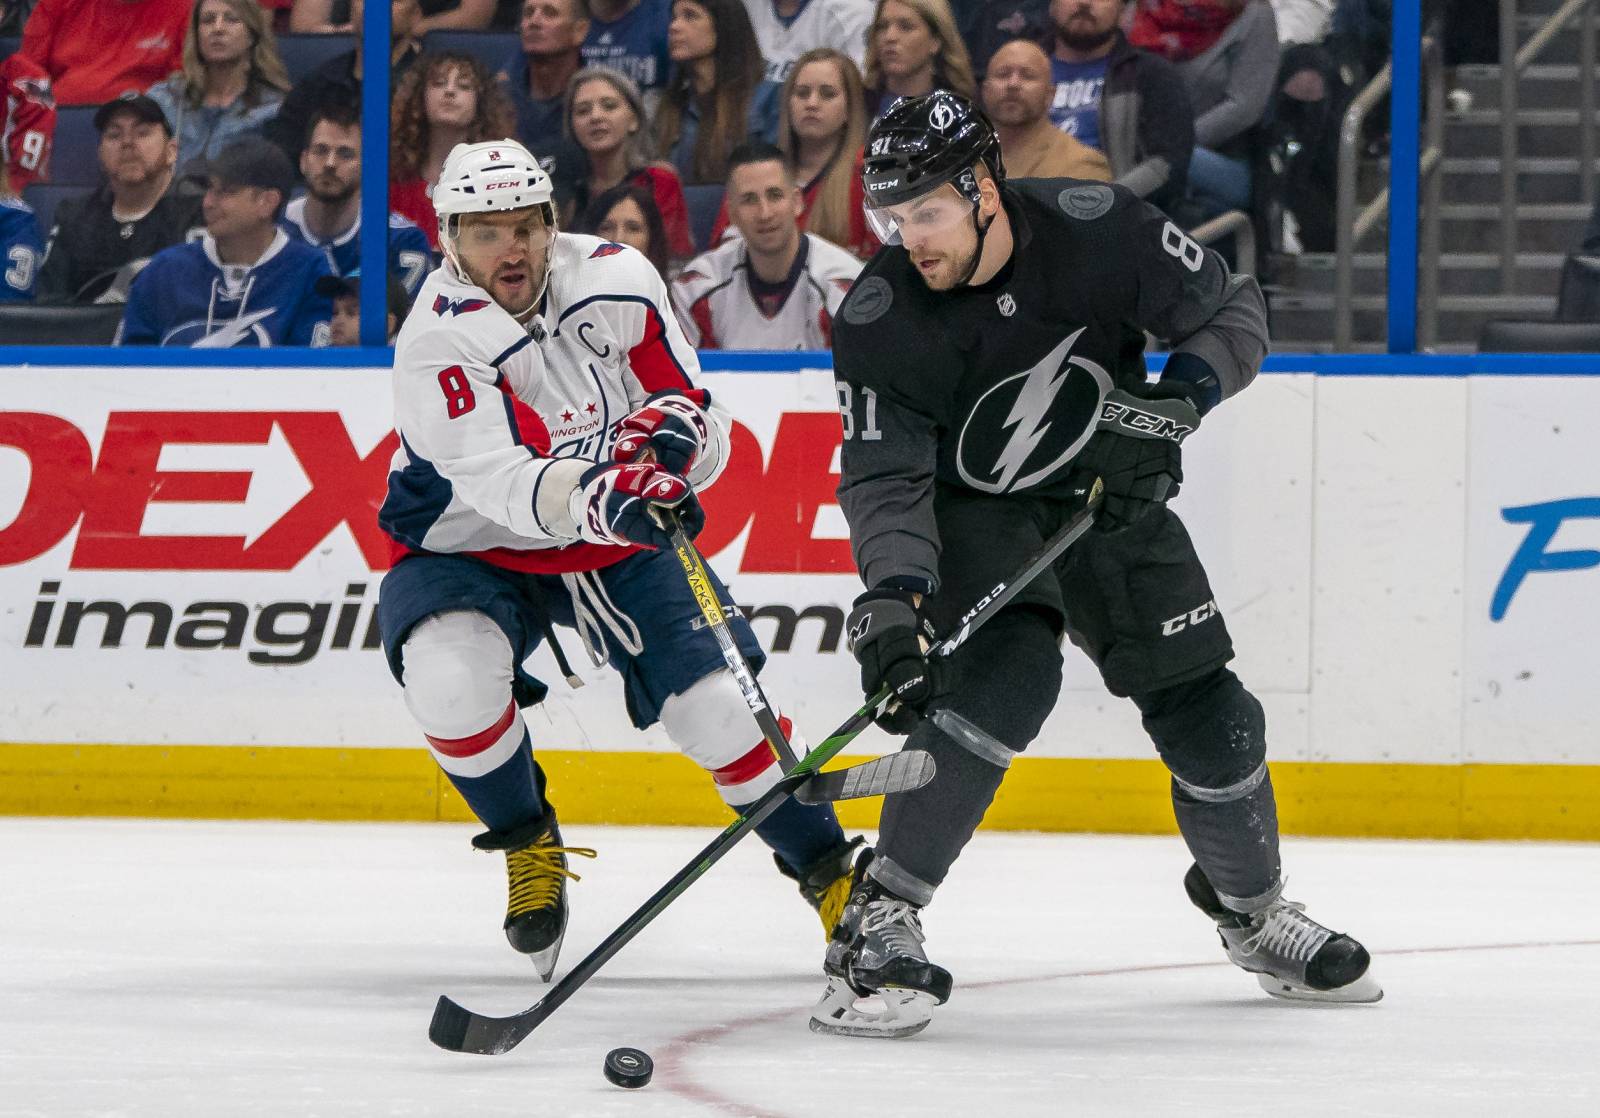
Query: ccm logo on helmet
[[502, 185]]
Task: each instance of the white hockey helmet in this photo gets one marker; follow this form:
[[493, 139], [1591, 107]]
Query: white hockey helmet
[[487, 177]]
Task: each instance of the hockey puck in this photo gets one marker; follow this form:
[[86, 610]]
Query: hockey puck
[[628, 1067]]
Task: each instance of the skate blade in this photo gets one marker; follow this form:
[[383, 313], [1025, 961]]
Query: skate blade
[[1363, 990], [904, 1012], [545, 961]]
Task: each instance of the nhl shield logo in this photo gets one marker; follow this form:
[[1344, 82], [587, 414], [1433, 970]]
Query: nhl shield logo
[[1007, 305]]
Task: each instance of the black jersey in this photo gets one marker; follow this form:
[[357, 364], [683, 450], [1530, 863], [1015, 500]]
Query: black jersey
[[996, 387]]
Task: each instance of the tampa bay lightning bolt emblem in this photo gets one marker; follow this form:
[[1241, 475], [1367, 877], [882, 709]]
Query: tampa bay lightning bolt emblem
[[1007, 305], [942, 116]]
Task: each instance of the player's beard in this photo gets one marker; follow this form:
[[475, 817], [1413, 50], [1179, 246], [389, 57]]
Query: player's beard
[[950, 269]]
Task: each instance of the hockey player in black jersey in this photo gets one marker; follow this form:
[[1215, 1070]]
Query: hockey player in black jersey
[[990, 360]]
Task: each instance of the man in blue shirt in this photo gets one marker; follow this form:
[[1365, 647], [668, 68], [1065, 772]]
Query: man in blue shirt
[[630, 36], [20, 248], [245, 283], [553, 32], [328, 218]]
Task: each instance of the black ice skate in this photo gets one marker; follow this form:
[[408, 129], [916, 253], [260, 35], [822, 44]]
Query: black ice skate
[[876, 954], [1291, 955], [825, 883], [536, 867]]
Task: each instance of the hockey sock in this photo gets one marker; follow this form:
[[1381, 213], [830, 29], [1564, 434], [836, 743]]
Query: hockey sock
[[1211, 733], [800, 833], [1006, 680], [506, 795]]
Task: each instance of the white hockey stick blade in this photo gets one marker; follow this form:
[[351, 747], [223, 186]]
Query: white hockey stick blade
[[1363, 990], [899, 772], [839, 1013]]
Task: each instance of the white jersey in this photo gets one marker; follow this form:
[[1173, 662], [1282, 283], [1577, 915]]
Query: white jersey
[[497, 420], [841, 24], [719, 309]]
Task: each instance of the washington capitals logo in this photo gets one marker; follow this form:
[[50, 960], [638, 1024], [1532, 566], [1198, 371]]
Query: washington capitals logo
[[607, 249], [443, 306], [1045, 414]]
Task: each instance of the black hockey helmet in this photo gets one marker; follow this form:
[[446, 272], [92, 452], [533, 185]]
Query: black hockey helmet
[[923, 142]]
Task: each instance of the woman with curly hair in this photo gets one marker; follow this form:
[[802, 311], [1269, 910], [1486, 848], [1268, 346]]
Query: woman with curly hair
[[822, 125], [232, 81], [606, 119], [913, 47], [443, 100], [716, 97], [627, 214]]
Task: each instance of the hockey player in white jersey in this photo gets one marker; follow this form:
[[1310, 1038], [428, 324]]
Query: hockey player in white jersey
[[546, 404]]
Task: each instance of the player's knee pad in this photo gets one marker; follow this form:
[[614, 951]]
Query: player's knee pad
[[711, 724], [1009, 676], [457, 674], [1212, 734]]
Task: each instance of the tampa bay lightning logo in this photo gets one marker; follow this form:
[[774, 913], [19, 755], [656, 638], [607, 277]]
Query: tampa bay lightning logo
[[247, 331], [1041, 417]]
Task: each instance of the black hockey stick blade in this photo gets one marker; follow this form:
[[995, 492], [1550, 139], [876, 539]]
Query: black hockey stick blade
[[460, 1030], [884, 776]]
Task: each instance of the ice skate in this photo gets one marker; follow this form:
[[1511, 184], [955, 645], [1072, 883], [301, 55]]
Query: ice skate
[[536, 869], [1291, 955], [880, 982], [825, 883]]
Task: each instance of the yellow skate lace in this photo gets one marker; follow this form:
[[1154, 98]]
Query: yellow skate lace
[[536, 872], [830, 906]]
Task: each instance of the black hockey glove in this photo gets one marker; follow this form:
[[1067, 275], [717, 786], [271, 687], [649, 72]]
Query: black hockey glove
[[890, 638], [1135, 450]]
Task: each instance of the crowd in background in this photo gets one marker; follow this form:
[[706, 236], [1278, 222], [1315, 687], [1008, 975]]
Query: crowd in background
[[228, 207]]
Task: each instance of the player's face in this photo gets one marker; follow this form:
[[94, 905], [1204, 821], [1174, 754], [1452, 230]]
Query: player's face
[[504, 253], [331, 163], [1017, 88], [451, 98], [764, 204], [231, 210], [1085, 24], [602, 119], [906, 44], [625, 224], [223, 34], [690, 33], [345, 326], [817, 105], [937, 233], [134, 151], [550, 28]]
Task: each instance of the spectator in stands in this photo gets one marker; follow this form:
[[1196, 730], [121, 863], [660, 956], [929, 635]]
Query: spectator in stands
[[1125, 102], [328, 217], [536, 76], [101, 240], [988, 25], [338, 80], [606, 118], [630, 36], [774, 286], [27, 119], [1302, 21], [20, 249], [1227, 54], [627, 214], [716, 97], [914, 48], [821, 129], [245, 283], [445, 99], [344, 294], [97, 50], [232, 82], [786, 29], [1017, 91], [322, 17]]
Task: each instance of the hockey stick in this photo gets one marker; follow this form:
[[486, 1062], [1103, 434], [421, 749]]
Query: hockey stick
[[873, 778], [460, 1030]]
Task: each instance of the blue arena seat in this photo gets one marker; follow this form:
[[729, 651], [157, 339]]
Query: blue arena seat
[[59, 324], [703, 202], [9, 44], [45, 196], [303, 53], [491, 48], [74, 157]]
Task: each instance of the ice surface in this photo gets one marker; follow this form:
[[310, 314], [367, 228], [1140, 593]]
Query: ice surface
[[233, 969]]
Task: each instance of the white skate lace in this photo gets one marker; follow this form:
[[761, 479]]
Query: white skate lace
[[1288, 932], [897, 922]]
